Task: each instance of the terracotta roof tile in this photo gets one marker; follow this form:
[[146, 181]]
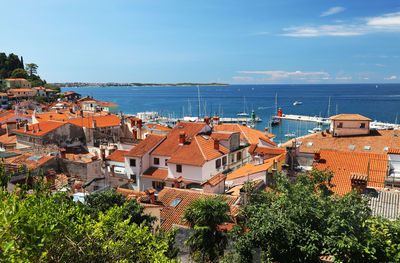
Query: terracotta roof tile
[[393, 151], [156, 173], [146, 145], [52, 116], [216, 179], [350, 117], [154, 126], [101, 121], [343, 164], [6, 139], [378, 140], [104, 103], [252, 168], [20, 90], [221, 135], [171, 144], [31, 161], [252, 136], [173, 215], [117, 156], [254, 148], [44, 126], [17, 79]]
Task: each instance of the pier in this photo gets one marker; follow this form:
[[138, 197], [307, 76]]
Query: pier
[[326, 121]]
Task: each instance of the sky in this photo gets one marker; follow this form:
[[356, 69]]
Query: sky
[[228, 41]]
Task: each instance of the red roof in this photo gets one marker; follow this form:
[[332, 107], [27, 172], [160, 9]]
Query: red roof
[[252, 136], [31, 161], [20, 90], [17, 79], [101, 121], [171, 144], [44, 126], [154, 126], [343, 164], [145, 146], [101, 103], [117, 156], [156, 173], [173, 215], [349, 117]]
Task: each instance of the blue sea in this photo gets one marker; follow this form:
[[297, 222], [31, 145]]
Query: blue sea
[[380, 102]]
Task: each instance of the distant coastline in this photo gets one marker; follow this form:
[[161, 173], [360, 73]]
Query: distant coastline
[[113, 84]]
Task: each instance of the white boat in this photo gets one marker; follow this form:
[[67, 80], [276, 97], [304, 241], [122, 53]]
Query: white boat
[[242, 114], [315, 130], [290, 135], [297, 103]]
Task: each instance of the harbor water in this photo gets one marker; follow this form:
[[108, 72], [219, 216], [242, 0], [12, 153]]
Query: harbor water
[[377, 101]]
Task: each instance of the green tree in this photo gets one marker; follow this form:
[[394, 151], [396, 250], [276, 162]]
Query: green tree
[[204, 215], [101, 202], [31, 68], [19, 73], [302, 221], [46, 227]]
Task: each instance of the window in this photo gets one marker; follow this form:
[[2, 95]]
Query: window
[[132, 162], [175, 202], [156, 161], [218, 163], [367, 147], [352, 147], [339, 125], [239, 156], [166, 162], [362, 125], [178, 168], [133, 178], [224, 160]]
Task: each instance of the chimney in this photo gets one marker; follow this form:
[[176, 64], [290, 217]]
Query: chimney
[[51, 117], [38, 128], [139, 124], [317, 157], [358, 182], [216, 144], [177, 182], [93, 124], [151, 192], [182, 137], [266, 131], [26, 127], [63, 153], [216, 120], [81, 113], [207, 120]]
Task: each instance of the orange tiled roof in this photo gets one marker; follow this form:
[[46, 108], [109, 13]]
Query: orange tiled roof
[[393, 151], [252, 168], [216, 179], [17, 79], [379, 141], [89, 101], [156, 173], [173, 215], [171, 144], [145, 146], [130, 193], [7, 115], [52, 116], [343, 164], [117, 156], [3, 94], [254, 148], [101, 103], [155, 126], [198, 151], [101, 121], [252, 136], [45, 127], [5, 139], [349, 117], [40, 88], [31, 161], [221, 135], [69, 93], [20, 90]]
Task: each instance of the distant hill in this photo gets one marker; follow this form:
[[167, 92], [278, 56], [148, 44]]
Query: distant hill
[[113, 84]]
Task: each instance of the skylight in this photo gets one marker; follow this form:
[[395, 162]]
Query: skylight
[[204, 137], [395, 135], [309, 144], [367, 147], [299, 143], [175, 202], [35, 157], [162, 220], [352, 147], [386, 149]]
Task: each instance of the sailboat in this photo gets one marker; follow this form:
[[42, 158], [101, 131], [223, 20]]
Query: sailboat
[[275, 121], [243, 113]]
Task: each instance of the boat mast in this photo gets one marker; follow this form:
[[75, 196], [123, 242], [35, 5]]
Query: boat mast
[[395, 121], [198, 97], [329, 107], [189, 108], [276, 103]]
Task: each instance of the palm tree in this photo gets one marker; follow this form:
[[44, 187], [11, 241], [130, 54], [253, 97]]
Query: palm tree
[[204, 215]]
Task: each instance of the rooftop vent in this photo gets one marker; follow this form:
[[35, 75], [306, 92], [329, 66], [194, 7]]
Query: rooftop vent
[[367, 147], [352, 147]]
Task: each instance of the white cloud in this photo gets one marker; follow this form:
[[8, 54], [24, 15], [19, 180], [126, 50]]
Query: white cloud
[[391, 78], [344, 78], [333, 10], [385, 23], [379, 65], [241, 78], [280, 74]]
